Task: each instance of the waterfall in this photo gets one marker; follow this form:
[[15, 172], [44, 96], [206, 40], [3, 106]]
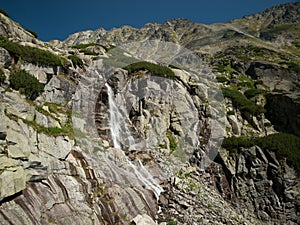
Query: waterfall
[[120, 134]]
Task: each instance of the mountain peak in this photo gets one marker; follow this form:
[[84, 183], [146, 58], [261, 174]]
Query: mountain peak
[[285, 13]]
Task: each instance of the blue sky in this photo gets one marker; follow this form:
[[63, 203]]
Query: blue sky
[[56, 19]]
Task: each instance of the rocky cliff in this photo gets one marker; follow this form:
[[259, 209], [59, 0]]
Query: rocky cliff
[[174, 123]]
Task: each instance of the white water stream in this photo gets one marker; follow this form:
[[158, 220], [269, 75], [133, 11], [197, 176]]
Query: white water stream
[[120, 133], [118, 127]]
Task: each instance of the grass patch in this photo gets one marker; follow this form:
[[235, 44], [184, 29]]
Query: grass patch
[[66, 130], [284, 145], [57, 108], [172, 141], [30, 54]]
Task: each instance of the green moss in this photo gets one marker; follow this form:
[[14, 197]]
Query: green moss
[[284, 145], [26, 84], [30, 54]]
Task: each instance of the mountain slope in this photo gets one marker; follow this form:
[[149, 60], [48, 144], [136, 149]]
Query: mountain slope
[[97, 134]]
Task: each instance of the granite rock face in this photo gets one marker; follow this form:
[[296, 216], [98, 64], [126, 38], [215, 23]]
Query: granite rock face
[[106, 145]]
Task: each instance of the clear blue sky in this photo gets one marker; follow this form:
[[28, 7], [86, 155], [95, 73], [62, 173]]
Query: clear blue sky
[[56, 19]]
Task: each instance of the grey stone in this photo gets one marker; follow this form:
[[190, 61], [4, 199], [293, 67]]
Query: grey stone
[[59, 147], [144, 220], [12, 181], [5, 58]]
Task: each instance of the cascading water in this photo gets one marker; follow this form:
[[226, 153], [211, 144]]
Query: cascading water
[[120, 133], [118, 127]]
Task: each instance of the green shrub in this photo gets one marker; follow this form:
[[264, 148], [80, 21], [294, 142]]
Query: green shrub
[[172, 223], [231, 112], [30, 54], [88, 52], [284, 145], [258, 82], [33, 33], [150, 67], [222, 79], [233, 144], [252, 92], [240, 101], [172, 141], [2, 76], [83, 46], [26, 84], [4, 13], [76, 61], [294, 66]]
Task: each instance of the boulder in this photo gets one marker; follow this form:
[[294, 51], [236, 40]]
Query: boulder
[[12, 181], [235, 125], [18, 144], [143, 220], [59, 147]]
